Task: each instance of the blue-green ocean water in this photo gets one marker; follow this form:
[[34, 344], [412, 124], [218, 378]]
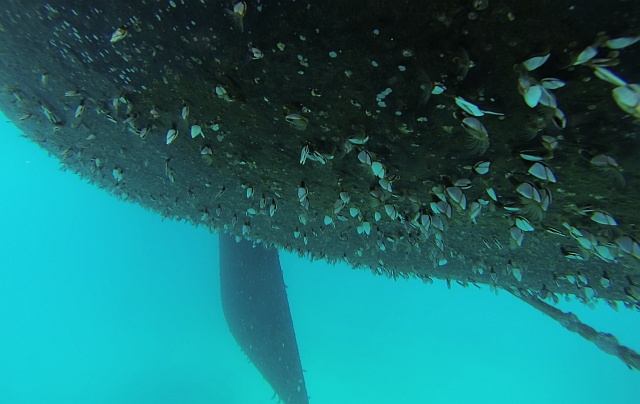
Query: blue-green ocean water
[[103, 302]]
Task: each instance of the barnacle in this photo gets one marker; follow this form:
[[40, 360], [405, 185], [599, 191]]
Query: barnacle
[[478, 142], [536, 125], [532, 210], [237, 14], [549, 119], [477, 135], [463, 64], [298, 121]]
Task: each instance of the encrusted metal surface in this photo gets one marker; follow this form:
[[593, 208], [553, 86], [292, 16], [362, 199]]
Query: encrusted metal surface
[[319, 81]]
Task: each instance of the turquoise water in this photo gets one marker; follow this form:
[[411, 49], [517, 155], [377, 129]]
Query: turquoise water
[[103, 302]]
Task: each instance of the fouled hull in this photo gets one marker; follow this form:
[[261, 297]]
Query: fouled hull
[[114, 90]]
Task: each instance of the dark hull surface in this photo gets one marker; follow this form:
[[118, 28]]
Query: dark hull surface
[[255, 305], [330, 63]]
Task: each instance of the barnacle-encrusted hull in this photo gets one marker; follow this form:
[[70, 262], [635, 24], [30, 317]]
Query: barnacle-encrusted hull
[[176, 56]]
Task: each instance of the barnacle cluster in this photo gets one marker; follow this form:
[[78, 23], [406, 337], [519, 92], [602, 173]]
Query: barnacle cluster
[[395, 124]]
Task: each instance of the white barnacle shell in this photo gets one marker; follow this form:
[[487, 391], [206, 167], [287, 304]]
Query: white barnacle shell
[[437, 222], [434, 208], [551, 83], [385, 183], [246, 229], [345, 196], [425, 222], [517, 235], [545, 199], [492, 194], [305, 203], [535, 62], [603, 218], [172, 134], [623, 42], [119, 34], [444, 207], [144, 132], [560, 119], [589, 292], [517, 274], [524, 82], [549, 142], [585, 241], [297, 121], [221, 91], [359, 140], [482, 167], [117, 174], [378, 168], [602, 160], [468, 107], [391, 211], [529, 191], [474, 210], [474, 125], [628, 98], [463, 183], [582, 278], [79, 109], [532, 95], [319, 157], [625, 243], [439, 88], [629, 245], [302, 193], [542, 171], [523, 224], [273, 208], [608, 76], [457, 196], [586, 55], [627, 95], [547, 98], [304, 154], [515, 271], [604, 253], [365, 157], [573, 231], [196, 130]]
